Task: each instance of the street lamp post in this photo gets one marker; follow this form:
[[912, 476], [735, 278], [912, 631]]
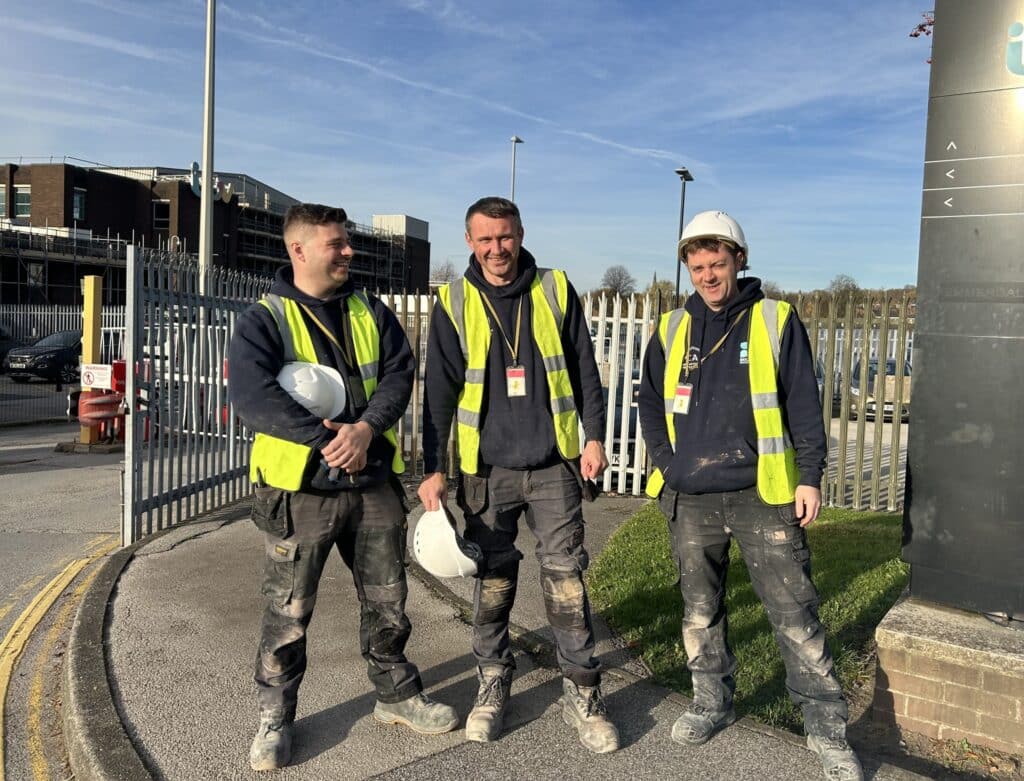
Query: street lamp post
[[206, 195], [685, 176], [515, 140]]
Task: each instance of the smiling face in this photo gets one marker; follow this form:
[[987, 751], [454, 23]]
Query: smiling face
[[715, 274], [321, 256], [495, 242]]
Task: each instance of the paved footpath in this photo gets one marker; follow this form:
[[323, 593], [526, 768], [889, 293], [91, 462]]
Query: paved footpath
[[160, 666]]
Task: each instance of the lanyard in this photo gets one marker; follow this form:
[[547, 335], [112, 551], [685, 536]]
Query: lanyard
[[345, 349], [514, 350], [712, 351]]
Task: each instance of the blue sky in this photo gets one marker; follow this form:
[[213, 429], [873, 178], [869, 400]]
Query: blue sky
[[803, 120]]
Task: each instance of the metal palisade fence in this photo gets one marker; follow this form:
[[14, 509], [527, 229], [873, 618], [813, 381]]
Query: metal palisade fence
[[187, 452]]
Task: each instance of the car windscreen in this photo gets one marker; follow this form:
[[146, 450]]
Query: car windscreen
[[59, 339]]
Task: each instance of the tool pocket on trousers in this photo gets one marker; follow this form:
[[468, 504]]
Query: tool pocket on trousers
[[270, 511], [471, 494], [667, 504], [279, 571]]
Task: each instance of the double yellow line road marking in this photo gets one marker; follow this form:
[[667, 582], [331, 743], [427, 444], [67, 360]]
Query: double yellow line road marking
[[21, 631]]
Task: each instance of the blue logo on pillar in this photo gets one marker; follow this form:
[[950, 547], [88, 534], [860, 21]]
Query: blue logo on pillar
[[1015, 49]]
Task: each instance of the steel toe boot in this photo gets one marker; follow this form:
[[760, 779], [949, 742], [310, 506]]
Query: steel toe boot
[[583, 708], [485, 720], [837, 758], [699, 724], [272, 747], [419, 713]]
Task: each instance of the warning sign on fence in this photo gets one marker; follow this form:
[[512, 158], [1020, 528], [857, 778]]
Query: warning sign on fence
[[97, 376]]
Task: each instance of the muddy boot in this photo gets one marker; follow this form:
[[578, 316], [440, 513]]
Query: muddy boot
[[698, 725], [272, 747], [837, 758], [485, 720], [418, 713], [583, 707]]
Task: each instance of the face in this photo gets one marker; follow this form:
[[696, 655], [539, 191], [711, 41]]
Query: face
[[321, 256], [714, 274], [495, 242]]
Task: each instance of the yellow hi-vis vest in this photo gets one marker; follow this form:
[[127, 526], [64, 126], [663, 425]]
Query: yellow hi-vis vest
[[777, 475], [281, 462], [549, 294]]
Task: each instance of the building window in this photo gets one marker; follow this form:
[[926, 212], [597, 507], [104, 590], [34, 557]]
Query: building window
[[78, 205], [161, 215], [22, 200], [3, 200], [35, 274]]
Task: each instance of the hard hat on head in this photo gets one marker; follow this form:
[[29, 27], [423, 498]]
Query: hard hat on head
[[440, 550], [713, 225], [320, 389]]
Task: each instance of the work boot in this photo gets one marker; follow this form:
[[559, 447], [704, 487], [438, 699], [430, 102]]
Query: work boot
[[419, 713], [272, 747], [485, 720], [837, 758], [583, 707], [698, 725]]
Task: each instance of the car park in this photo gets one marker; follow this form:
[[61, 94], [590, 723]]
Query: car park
[[56, 358], [872, 387]]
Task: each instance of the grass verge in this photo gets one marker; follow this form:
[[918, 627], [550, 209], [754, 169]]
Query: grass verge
[[855, 565]]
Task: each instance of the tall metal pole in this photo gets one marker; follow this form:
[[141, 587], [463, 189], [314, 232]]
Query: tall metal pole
[[207, 195], [685, 176], [515, 140]]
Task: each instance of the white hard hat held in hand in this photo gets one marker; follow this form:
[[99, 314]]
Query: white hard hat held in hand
[[440, 550], [713, 225], [320, 389]]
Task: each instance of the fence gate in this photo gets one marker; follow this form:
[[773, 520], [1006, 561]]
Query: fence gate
[[185, 451]]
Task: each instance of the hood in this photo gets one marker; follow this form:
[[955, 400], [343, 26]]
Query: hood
[[284, 285], [748, 295], [35, 352], [526, 268]]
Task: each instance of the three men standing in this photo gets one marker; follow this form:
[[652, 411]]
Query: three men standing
[[730, 413], [510, 358]]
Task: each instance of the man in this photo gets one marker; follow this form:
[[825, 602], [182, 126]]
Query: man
[[509, 348], [730, 412], [323, 482]]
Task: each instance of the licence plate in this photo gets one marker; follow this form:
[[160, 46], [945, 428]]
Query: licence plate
[[18, 364]]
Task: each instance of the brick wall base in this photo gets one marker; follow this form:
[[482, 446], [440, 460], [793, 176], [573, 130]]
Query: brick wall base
[[949, 674]]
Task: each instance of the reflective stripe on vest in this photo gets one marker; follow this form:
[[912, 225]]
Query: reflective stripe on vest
[[280, 462], [463, 304], [777, 475]]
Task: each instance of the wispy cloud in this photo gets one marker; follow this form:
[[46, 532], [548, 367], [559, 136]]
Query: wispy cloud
[[85, 38], [448, 14]]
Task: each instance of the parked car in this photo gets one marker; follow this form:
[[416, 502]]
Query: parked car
[[55, 358], [870, 406], [7, 341]]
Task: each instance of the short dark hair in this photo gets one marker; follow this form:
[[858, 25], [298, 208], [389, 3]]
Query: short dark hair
[[494, 206], [312, 214], [712, 245]]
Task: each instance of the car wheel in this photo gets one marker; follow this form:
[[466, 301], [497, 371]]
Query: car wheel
[[69, 373]]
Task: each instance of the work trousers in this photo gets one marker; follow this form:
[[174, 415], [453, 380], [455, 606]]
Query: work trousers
[[368, 527], [774, 547], [550, 499]]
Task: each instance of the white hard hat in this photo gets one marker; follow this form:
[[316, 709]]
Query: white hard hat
[[712, 225], [442, 552], [320, 389]]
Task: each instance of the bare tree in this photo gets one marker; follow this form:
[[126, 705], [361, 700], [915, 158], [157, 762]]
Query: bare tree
[[617, 279], [843, 283], [772, 290], [446, 272]]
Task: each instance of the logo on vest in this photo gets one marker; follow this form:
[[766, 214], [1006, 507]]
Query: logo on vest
[[1015, 49], [692, 360], [744, 354]]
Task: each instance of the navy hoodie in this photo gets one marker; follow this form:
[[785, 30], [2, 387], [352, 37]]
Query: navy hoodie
[[518, 432], [256, 356], [716, 443]]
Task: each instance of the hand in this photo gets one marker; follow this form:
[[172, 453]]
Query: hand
[[808, 504], [433, 491], [348, 448], [593, 461]]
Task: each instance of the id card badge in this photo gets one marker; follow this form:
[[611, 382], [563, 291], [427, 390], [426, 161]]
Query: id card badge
[[515, 381], [681, 405]]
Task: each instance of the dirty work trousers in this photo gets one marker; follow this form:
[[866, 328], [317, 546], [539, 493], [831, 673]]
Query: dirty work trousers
[[775, 550], [368, 528], [550, 499]]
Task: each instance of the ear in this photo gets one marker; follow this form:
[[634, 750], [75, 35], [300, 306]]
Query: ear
[[295, 250], [741, 260], [469, 240]]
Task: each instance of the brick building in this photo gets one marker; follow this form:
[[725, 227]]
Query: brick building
[[60, 222]]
